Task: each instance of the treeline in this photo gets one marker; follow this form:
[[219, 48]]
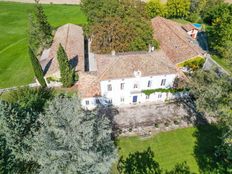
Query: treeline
[[213, 97], [119, 25]]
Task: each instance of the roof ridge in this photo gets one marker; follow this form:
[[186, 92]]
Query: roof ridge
[[164, 20]]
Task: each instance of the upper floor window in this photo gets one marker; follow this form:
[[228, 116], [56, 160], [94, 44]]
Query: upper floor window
[[149, 84], [163, 82], [135, 85], [109, 87], [122, 86]]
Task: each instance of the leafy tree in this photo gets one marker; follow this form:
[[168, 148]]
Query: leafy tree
[[72, 140], [220, 34], [31, 98], [40, 31], [139, 162], [37, 68], [118, 25], [66, 72], [155, 8], [178, 8], [181, 168]]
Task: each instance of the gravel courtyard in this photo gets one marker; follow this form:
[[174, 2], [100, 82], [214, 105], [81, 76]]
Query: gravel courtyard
[[154, 116]]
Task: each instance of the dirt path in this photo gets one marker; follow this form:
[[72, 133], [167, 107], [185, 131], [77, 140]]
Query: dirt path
[[48, 1]]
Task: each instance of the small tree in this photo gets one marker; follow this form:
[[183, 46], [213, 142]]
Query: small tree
[[178, 8], [66, 72], [40, 31], [155, 8], [37, 68]]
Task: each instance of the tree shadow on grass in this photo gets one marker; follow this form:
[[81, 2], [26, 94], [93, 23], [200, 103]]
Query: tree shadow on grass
[[207, 139], [139, 163]]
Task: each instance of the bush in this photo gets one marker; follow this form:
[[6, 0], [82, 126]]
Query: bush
[[156, 125], [193, 64]]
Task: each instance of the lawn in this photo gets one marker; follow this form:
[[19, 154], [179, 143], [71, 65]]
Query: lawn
[[223, 62], [193, 145], [15, 67]]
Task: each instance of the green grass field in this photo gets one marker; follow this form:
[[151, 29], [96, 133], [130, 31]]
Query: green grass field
[[193, 145], [15, 67]]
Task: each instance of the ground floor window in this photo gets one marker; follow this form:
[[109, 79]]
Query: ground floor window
[[122, 99], [160, 95], [147, 96], [87, 102]]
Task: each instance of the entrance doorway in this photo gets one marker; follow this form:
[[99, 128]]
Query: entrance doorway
[[135, 99]]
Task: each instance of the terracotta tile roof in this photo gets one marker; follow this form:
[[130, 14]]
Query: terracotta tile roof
[[71, 38], [188, 27], [123, 66], [174, 41]]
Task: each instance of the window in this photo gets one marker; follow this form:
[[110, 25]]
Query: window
[[147, 97], [149, 84], [122, 99], [109, 87], [163, 82], [160, 95], [87, 102], [97, 101], [122, 86], [135, 85], [110, 100]]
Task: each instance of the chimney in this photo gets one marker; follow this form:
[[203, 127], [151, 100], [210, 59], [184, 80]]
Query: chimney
[[113, 52]]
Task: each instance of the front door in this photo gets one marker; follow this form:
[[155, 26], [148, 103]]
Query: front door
[[135, 98]]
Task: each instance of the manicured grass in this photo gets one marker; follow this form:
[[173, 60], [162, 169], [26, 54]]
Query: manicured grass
[[223, 63], [193, 145], [15, 67]]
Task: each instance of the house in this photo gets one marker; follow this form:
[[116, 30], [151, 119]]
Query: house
[[71, 37], [191, 29], [174, 40], [120, 79]]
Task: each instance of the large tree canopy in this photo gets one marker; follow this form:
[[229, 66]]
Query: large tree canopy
[[118, 25], [72, 140]]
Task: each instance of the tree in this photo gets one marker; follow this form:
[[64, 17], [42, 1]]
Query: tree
[[220, 34], [181, 168], [72, 140], [155, 8], [213, 95], [40, 31], [18, 125], [118, 25], [139, 162], [67, 74], [178, 8], [37, 68]]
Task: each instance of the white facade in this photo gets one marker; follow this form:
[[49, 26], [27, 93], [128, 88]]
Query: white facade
[[128, 91]]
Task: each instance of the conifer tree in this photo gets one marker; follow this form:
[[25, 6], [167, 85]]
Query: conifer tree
[[40, 31], [66, 72], [37, 68]]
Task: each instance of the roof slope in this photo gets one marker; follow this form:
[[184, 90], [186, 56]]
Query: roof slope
[[123, 66], [71, 37], [174, 40]]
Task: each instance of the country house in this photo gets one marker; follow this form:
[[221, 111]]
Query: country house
[[122, 78]]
